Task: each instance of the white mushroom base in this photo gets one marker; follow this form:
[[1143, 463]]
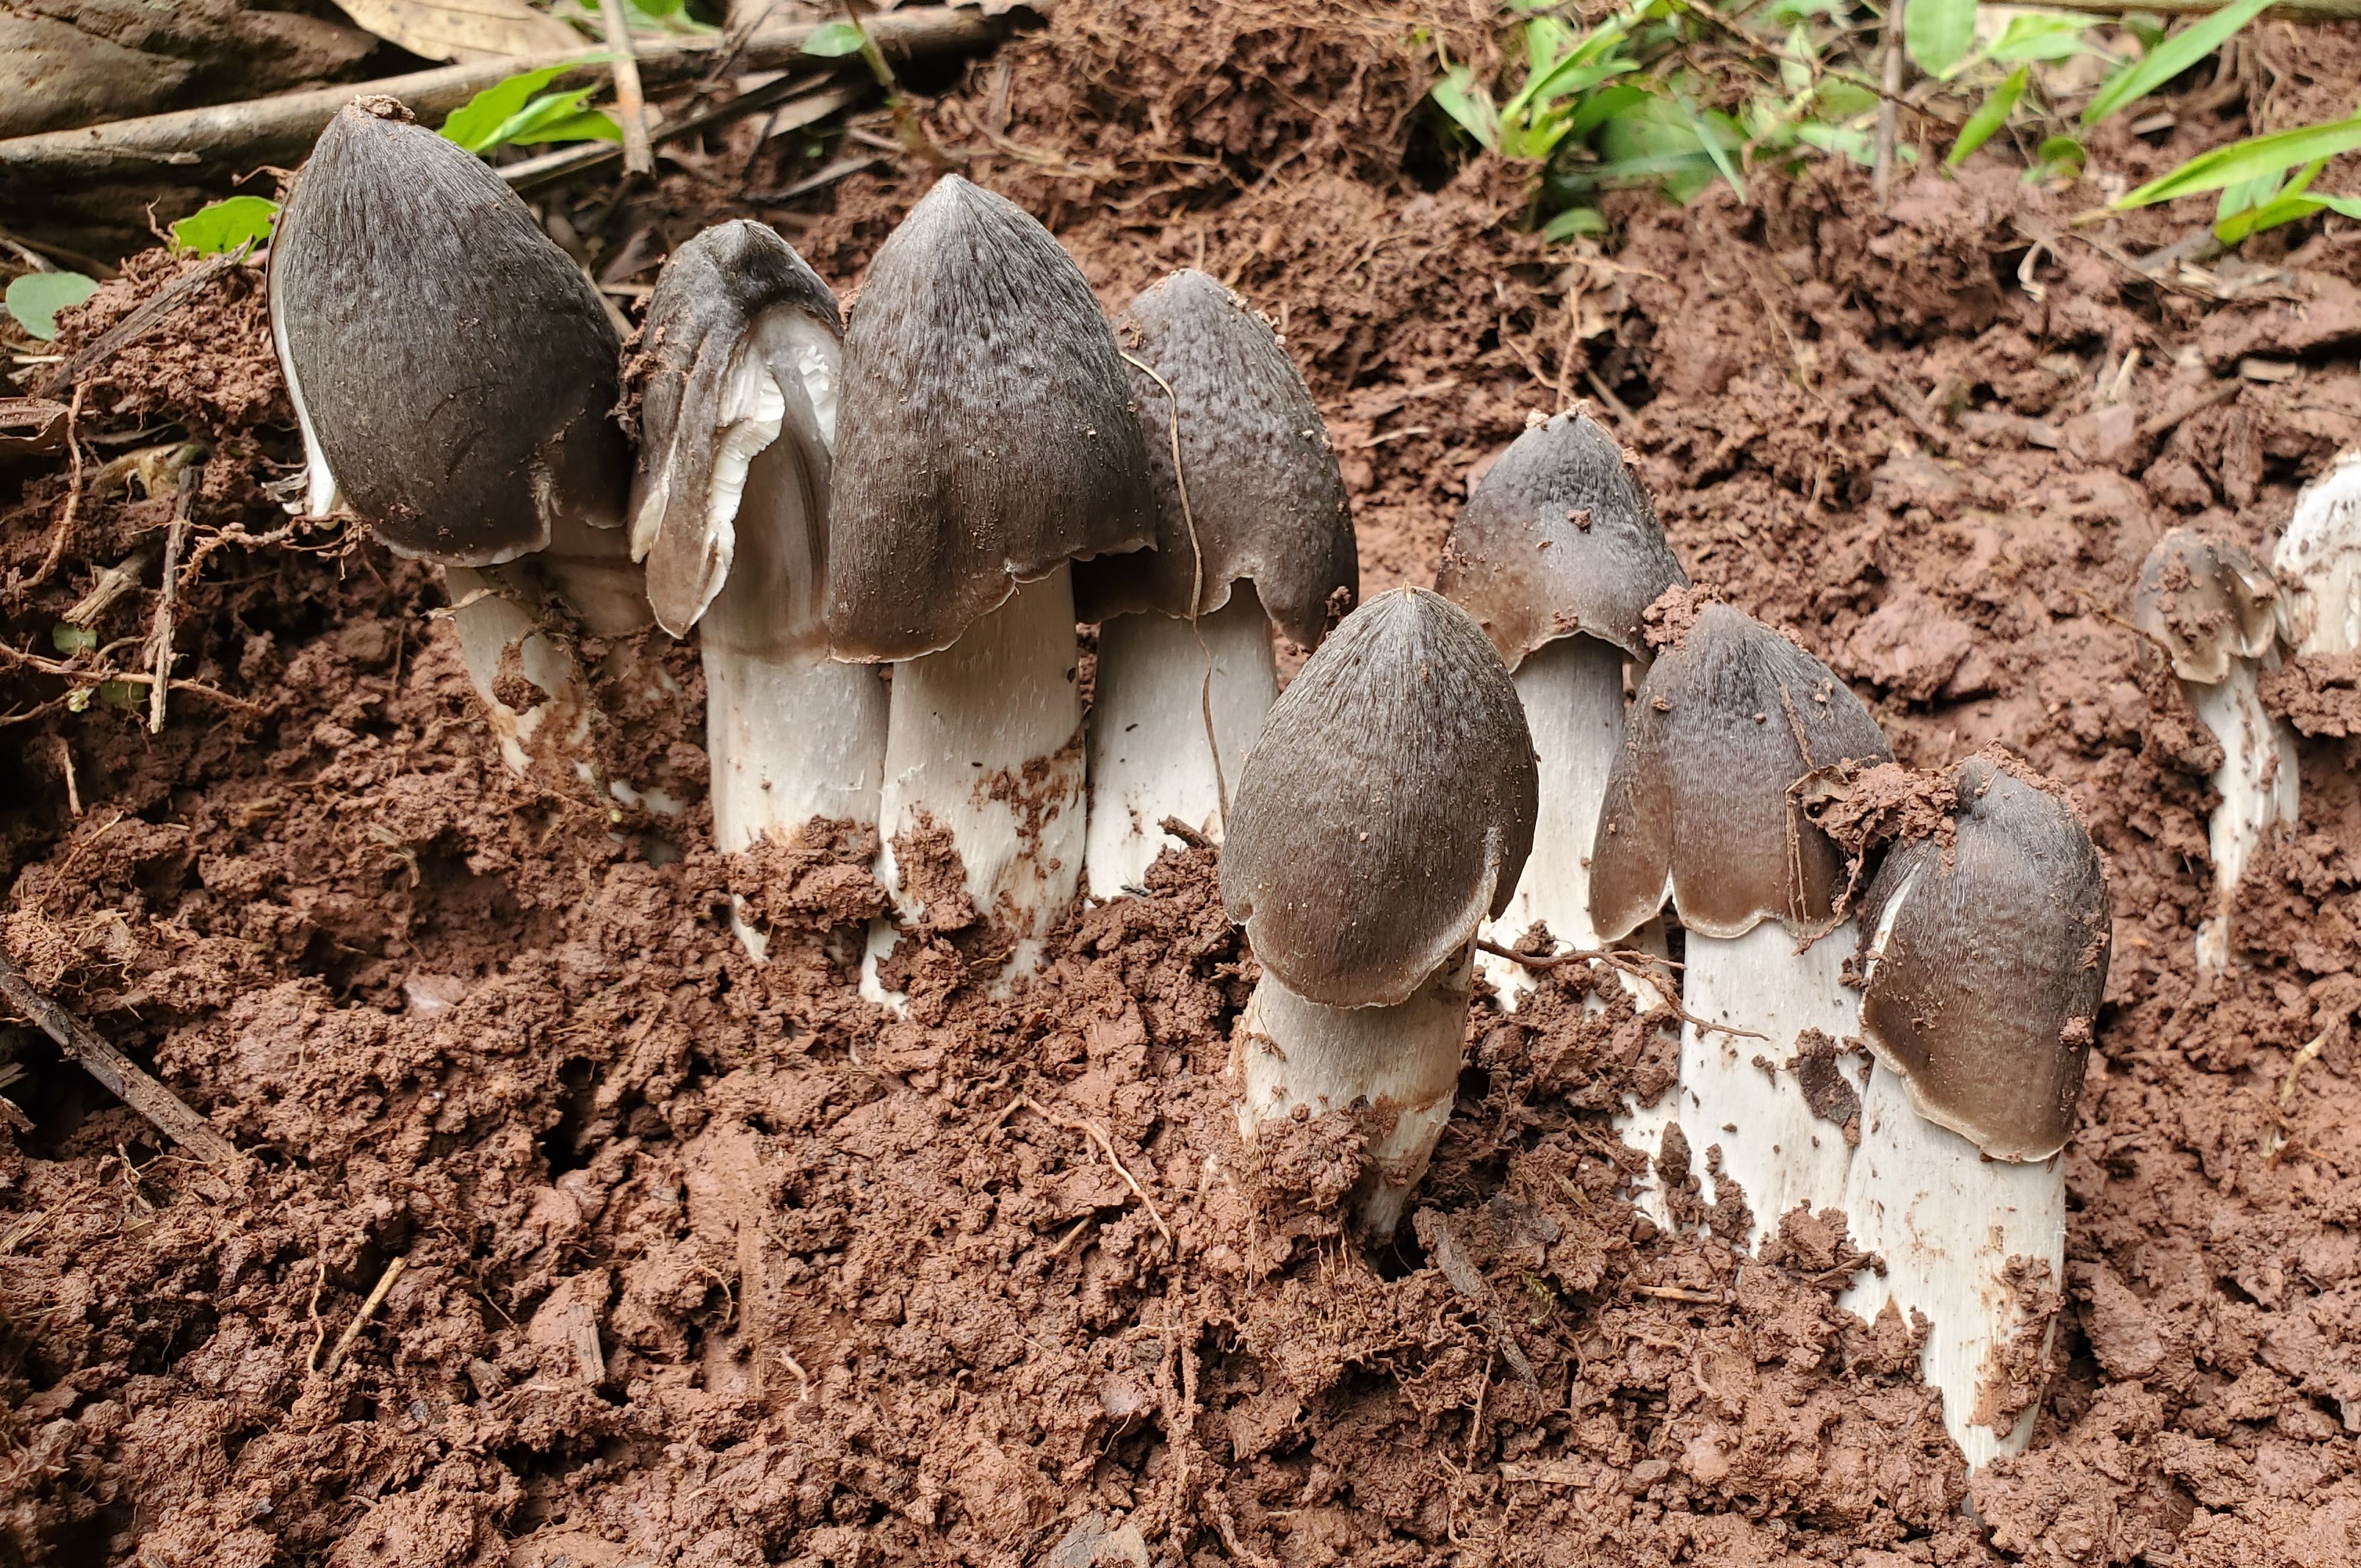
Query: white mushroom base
[[1149, 755], [1772, 1144], [2258, 784], [1947, 1221], [789, 738], [983, 739], [1397, 1065]]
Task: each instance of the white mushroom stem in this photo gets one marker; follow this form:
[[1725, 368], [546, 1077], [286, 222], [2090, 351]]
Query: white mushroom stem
[[1150, 756], [2318, 564], [1947, 1220], [790, 736], [984, 740], [1772, 1144], [2257, 782], [1399, 1065]]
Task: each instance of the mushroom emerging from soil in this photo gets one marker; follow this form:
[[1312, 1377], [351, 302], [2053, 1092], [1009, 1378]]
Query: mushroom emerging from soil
[[987, 439], [2318, 564], [1556, 555], [1383, 813], [1252, 523], [2213, 608], [453, 372], [1986, 957], [1701, 802], [738, 374]]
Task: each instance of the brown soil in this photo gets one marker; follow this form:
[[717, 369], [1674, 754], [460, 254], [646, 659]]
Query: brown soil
[[694, 1260]]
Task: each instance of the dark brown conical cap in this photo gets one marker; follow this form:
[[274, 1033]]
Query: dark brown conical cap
[[739, 335], [454, 365], [1989, 964], [1387, 807], [1729, 717], [2208, 601], [987, 433], [1559, 538], [1263, 489]]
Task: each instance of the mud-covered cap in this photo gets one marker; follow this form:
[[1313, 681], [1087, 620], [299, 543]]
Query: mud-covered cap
[[456, 367], [739, 350], [1699, 802], [1387, 807], [1988, 958], [1262, 485], [987, 433], [1559, 538], [2207, 601]]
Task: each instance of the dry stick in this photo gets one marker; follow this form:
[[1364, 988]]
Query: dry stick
[[2172, 416], [112, 583], [160, 640], [631, 99], [119, 1074], [133, 327], [65, 766], [1098, 1134], [535, 173], [17, 657], [369, 1310], [1889, 114]]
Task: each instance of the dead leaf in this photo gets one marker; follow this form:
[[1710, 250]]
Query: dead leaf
[[465, 29]]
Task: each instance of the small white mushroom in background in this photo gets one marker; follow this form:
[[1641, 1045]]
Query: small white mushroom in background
[[453, 373], [1701, 805], [1252, 532], [2213, 610], [739, 368], [1383, 813], [986, 439], [1986, 957], [2318, 564], [1558, 554]]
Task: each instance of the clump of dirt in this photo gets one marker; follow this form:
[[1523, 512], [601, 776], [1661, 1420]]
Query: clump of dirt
[[571, 1232]]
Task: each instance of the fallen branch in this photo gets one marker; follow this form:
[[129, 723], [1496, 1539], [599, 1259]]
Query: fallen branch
[[215, 145], [119, 1074]]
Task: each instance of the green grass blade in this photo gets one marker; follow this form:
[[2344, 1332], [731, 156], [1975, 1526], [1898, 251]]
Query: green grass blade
[[1459, 97], [1990, 115], [2253, 158], [2170, 58]]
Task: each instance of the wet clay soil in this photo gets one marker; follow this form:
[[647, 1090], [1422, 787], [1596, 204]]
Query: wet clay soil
[[570, 1235]]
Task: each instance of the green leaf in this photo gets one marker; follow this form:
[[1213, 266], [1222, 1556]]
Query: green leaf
[[1546, 38], [1572, 221], [2170, 59], [1842, 100], [1709, 137], [2147, 27], [36, 299], [835, 41], [227, 225], [2249, 160], [1990, 116], [2039, 36], [476, 124], [1606, 103], [2055, 155], [1938, 33], [69, 639], [2291, 207], [1460, 97], [556, 116]]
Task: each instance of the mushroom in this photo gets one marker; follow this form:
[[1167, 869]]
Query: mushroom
[[1702, 803], [1985, 957], [738, 374], [2318, 564], [1382, 814], [1252, 523], [1558, 554], [2213, 608], [986, 440], [453, 372]]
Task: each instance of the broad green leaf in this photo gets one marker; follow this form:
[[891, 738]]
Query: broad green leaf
[[70, 639], [1709, 137], [2170, 59], [36, 299], [2252, 158], [2055, 155], [1842, 100], [1461, 98], [1607, 103], [1990, 115], [2260, 191], [227, 225], [1844, 141], [556, 116], [1572, 221], [1938, 33], [475, 124], [834, 40], [2039, 36], [589, 124]]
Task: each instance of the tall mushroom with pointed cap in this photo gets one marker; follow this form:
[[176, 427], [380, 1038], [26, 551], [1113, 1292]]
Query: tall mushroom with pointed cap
[[1557, 556], [1986, 958], [2318, 564], [738, 374], [1250, 524], [453, 372], [2213, 610], [1383, 813], [1701, 804], [987, 439]]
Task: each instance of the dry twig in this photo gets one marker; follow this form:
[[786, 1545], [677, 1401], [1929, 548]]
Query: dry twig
[[369, 1310], [631, 98], [159, 639]]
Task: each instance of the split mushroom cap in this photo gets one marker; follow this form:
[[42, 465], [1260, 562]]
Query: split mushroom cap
[[1559, 538], [987, 435], [739, 350], [1387, 807], [1729, 718], [2208, 601], [454, 365], [1263, 491], [1991, 959]]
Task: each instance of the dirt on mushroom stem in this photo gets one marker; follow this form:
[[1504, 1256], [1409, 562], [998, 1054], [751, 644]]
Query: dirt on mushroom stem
[[468, 1028]]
